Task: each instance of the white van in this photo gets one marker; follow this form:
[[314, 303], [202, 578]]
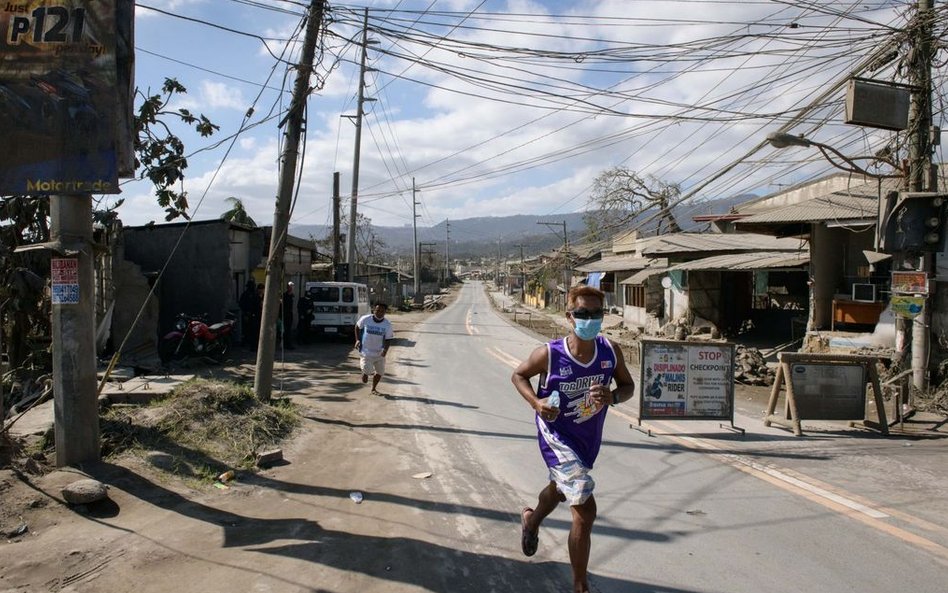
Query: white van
[[337, 306]]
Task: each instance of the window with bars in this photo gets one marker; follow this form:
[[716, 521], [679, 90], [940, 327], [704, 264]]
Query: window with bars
[[635, 295]]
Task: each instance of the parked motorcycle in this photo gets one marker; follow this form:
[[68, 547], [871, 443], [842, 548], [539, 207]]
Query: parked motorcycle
[[193, 337]]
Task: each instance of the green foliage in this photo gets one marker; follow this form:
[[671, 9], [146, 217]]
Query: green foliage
[[159, 151], [238, 213]]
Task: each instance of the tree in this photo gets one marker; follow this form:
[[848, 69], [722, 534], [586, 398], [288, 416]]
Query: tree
[[620, 195], [159, 152], [237, 213]]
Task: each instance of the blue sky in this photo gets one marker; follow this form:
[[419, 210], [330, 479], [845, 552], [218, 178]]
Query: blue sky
[[508, 107]]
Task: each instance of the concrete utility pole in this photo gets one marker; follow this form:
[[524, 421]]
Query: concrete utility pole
[[336, 246], [360, 111], [414, 241], [75, 409], [281, 217], [920, 169]]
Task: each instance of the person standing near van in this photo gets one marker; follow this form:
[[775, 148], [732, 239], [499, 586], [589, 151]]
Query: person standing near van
[[286, 310], [373, 335]]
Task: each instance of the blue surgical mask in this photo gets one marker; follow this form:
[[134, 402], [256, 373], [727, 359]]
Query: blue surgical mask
[[587, 329]]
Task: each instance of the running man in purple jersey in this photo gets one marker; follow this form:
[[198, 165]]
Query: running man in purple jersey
[[580, 368]]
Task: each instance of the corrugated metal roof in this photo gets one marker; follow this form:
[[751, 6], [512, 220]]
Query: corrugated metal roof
[[692, 242], [761, 260], [643, 275], [825, 208], [614, 264]]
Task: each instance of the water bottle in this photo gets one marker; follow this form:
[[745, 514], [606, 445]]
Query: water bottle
[[554, 400]]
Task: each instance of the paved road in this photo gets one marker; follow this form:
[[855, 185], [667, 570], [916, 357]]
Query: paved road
[[697, 510], [691, 509]]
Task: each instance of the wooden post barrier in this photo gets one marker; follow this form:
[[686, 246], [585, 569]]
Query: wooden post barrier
[[798, 409]]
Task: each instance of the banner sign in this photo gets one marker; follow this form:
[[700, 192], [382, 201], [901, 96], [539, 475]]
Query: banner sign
[[64, 274], [909, 307], [828, 391], [687, 380], [909, 283], [58, 96]]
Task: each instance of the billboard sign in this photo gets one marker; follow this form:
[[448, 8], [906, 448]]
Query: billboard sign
[[687, 380], [58, 98]]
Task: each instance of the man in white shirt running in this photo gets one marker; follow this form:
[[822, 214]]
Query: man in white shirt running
[[373, 334]]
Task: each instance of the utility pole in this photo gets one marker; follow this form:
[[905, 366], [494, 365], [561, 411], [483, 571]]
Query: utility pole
[[447, 241], [336, 247], [523, 278], [421, 248], [263, 379], [414, 243], [566, 282], [360, 111], [921, 169], [75, 409]]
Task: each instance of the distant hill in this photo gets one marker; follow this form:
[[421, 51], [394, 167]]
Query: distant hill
[[488, 236]]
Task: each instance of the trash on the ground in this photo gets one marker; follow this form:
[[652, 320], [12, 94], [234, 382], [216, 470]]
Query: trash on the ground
[[695, 512], [356, 497], [221, 486], [422, 475], [226, 476], [18, 531]]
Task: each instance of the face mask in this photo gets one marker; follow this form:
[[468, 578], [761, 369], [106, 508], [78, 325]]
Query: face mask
[[587, 329]]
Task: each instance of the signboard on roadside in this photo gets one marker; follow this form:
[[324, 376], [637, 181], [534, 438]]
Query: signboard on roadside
[[907, 306], [58, 96], [909, 283], [825, 391], [64, 275], [687, 380]]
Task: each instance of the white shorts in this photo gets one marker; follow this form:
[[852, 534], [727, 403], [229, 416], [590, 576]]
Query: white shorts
[[572, 479], [372, 365]]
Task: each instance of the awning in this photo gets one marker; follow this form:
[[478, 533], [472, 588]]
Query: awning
[[643, 275], [614, 264], [758, 260], [874, 257]]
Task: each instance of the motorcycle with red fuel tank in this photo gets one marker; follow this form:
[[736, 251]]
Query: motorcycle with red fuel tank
[[193, 337]]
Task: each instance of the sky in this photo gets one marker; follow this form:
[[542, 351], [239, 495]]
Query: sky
[[502, 107]]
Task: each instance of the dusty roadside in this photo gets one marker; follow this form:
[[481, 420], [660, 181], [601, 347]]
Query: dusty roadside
[[157, 532]]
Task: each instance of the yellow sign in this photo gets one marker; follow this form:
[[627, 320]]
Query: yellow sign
[[907, 306]]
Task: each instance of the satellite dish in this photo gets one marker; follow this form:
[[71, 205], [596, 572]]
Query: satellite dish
[[667, 282]]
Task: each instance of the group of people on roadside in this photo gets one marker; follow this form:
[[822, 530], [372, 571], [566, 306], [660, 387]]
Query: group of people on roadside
[[251, 309]]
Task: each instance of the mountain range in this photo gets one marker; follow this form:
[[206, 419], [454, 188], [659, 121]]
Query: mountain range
[[503, 236]]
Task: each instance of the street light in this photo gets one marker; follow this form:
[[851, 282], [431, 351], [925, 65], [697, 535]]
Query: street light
[[783, 140]]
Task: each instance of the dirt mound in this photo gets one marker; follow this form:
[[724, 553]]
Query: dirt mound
[[203, 428]]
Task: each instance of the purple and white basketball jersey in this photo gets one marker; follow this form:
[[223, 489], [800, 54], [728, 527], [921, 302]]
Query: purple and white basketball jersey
[[577, 431]]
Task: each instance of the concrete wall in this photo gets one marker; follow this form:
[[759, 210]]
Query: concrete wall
[[199, 278], [826, 270]]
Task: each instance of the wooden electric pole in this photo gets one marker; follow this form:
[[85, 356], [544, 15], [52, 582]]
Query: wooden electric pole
[[274, 287]]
